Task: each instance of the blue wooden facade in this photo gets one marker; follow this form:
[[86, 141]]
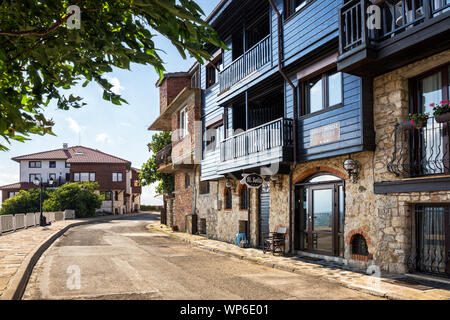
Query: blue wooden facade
[[308, 36]]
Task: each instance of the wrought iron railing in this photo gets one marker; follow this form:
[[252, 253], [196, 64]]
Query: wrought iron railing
[[271, 135], [164, 156], [253, 59], [428, 252], [395, 17], [421, 152]]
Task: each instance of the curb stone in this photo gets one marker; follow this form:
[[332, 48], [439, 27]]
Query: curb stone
[[295, 269], [18, 283]]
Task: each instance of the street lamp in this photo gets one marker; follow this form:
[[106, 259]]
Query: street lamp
[[39, 183]]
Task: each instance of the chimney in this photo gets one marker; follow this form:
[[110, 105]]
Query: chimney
[[65, 146]]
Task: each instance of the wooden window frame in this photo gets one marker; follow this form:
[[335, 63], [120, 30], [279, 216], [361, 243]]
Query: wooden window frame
[[204, 190], [212, 71], [244, 198], [290, 8], [187, 180], [228, 199], [324, 77]]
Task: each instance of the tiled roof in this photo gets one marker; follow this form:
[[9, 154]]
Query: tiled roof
[[18, 185], [78, 154]]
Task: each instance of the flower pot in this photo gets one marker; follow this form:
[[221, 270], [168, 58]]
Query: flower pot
[[407, 125], [442, 118]]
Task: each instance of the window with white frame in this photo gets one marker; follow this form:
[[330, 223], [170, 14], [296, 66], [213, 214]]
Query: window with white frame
[[117, 176], [183, 127], [84, 176]]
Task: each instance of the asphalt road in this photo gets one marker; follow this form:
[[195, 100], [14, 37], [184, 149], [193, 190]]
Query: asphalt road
[[122, 260]]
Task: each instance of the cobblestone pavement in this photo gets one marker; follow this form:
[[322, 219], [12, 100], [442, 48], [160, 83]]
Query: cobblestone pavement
[[122, 259], [17, 247], [387, 286]]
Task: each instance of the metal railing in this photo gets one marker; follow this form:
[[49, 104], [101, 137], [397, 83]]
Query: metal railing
[[428, 250], [421, 152], [253, 59], [277, 133], [396, 16]]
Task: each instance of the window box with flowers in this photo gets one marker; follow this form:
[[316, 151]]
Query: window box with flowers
[[416, 121], [441, 112]]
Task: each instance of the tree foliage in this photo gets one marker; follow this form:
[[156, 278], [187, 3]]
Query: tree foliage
[[149, 173], [40, 57], [77, 196], [24, 202]]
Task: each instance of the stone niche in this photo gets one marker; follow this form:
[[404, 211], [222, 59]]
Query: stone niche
[[358, 243]]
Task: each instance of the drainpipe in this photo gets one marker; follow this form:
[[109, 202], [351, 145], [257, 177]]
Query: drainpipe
[[294, 125]]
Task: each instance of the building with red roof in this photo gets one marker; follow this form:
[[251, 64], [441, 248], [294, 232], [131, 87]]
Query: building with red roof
[[118, 181]]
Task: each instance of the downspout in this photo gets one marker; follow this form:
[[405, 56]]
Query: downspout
[[294, 124]]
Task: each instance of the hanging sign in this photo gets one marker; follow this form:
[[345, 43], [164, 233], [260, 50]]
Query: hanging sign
[[253, 181]]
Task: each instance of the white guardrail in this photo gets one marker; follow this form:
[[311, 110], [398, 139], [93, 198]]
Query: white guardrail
[[16, 222]]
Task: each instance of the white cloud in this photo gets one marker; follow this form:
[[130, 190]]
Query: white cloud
[[103, 138], [149, 196], [75, 126], [117, 87], [125, 124]]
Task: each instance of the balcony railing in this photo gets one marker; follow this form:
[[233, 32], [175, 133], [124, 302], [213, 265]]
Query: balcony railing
[[396, 16], [421, 152], [269, 136], [251, 60], [164, 156]]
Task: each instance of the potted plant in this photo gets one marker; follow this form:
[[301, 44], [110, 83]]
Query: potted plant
[[416, 121], [441, 112]]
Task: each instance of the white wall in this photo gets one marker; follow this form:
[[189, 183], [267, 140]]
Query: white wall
[[45, 170]]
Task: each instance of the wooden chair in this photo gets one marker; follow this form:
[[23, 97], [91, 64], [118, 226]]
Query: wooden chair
[[275, 241]]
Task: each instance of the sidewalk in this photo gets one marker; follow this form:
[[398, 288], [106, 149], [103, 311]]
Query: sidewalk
[[379, 286], [20, 250]]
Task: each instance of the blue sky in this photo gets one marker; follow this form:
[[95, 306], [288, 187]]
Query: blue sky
[[118, 130]]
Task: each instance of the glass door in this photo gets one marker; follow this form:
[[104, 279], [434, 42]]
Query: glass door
[[319, 223], [321, 219]]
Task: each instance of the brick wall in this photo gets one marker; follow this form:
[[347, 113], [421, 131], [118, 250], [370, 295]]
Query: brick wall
[[183, 200], [186, 145], [169, 89]]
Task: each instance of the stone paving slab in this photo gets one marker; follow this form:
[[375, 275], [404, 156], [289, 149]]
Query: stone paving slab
[[17, 249], [333, 272]]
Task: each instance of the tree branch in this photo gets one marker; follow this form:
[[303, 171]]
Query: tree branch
[[35, 32]]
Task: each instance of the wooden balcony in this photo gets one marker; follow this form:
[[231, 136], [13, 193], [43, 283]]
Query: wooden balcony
[[264, 145], [163, 159], [366, 48], [253, 59]]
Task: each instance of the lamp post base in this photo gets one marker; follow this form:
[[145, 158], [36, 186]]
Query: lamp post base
[[43, 221]]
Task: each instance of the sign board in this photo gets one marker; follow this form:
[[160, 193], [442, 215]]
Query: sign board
[[253, 181], [325, 134]]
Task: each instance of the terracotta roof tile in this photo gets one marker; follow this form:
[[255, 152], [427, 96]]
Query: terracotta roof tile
[[78, 154], [18, 185]]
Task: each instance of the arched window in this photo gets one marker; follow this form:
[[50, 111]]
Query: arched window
[[243, 198], [228, 199]]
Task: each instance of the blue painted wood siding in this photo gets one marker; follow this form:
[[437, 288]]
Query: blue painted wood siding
[[310, 28], [349, 115]]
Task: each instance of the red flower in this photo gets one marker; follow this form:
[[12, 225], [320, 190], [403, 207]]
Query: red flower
[[412, 121], [431, 104]]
